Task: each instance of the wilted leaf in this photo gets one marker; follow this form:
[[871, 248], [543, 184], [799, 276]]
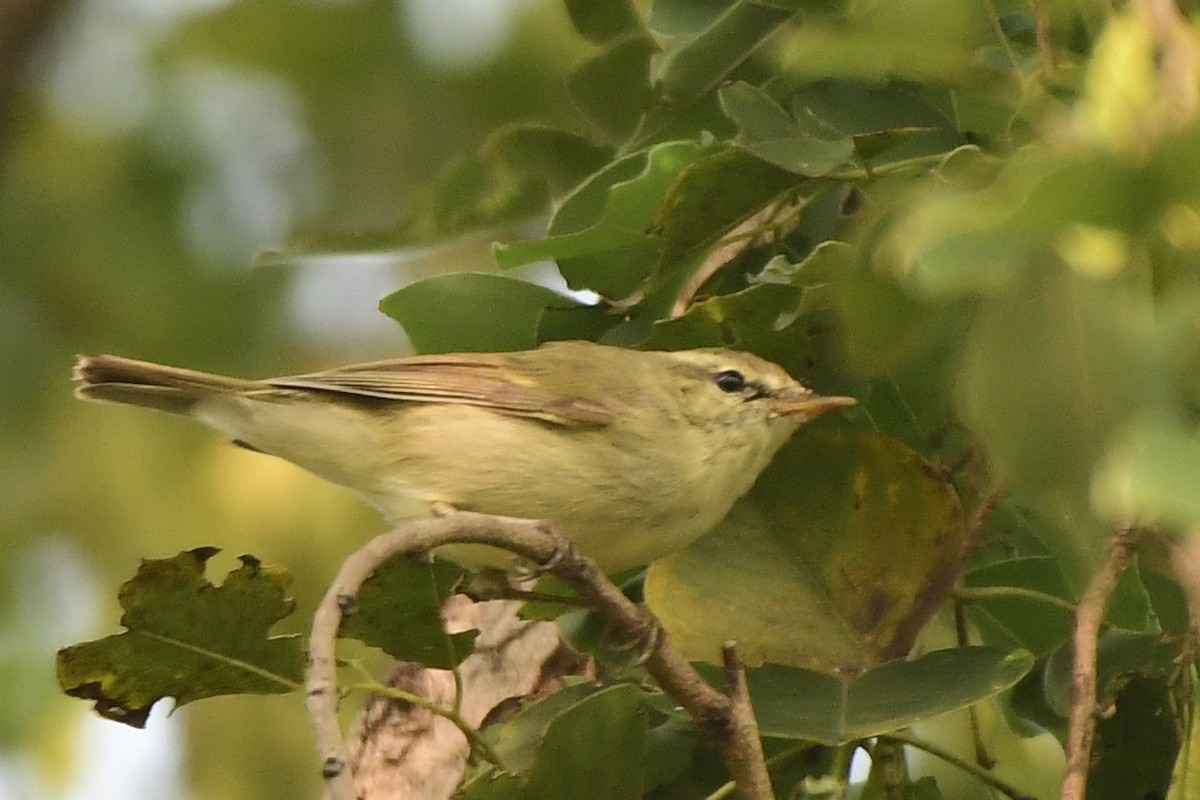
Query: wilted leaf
[[187, 639], [843, 550]]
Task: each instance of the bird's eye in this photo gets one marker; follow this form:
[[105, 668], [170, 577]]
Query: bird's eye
[[730, 380]]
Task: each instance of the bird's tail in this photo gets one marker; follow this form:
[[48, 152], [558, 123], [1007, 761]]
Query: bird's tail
[[123, 380]]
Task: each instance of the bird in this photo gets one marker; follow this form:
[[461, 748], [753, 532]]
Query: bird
[[632, 454]]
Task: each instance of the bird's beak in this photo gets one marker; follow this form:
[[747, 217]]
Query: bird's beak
[[807, 403]]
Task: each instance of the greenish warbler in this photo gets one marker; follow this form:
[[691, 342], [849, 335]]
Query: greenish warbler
[[632, 454]]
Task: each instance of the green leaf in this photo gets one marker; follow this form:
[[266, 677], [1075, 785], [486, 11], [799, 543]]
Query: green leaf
[[1185, 777], [563, 159], [1119, 654], [601, 20], [1020, 621], [399, 610], [697, 63], [1150, 474], [580, 322], [1045, 413], [188, 639], [519, 740], [711, 196], [773, 135], [601, 235], [670, 747], [469, 193], [1167, 600], [595, 750], [794, 703], [512, 179], [728, 320], [1135, 746], [679, 17], [863, 109], [612, 88], [845, 547], [471, 312], [584, 743], [884, 124], [934, 42]]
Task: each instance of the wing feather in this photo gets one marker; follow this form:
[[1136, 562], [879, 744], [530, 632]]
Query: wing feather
[[469, 380]]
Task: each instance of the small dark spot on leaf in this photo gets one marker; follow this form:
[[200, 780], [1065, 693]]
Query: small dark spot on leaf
[[877, 606], [852, 203]]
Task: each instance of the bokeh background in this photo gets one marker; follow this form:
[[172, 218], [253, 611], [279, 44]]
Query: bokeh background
[[150, 151]]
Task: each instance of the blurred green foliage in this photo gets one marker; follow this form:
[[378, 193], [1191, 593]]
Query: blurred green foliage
[[982, 220]]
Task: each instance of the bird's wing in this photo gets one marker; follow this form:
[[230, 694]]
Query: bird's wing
[[468, 379]]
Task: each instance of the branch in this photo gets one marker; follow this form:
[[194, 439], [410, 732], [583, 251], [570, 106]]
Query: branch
[[727, 720], [1088, 618]]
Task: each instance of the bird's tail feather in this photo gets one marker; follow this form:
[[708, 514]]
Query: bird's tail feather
[[124, 380]]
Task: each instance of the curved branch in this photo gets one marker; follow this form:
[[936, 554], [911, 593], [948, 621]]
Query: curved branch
[[726, 719]]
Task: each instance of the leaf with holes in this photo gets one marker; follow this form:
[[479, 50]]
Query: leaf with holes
[[188, 639]]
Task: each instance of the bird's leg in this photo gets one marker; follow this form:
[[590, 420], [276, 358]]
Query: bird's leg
[[440, 508]]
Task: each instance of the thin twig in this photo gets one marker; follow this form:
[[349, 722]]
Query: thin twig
[[1088, 618], [1041, 37], [475, 741], [726, 720], [983, 512], [982, 757]]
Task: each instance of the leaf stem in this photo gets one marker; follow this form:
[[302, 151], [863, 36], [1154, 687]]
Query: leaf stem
[[862, 174], [253, 669], [474, 737], [977, 594], [1002, 786]]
